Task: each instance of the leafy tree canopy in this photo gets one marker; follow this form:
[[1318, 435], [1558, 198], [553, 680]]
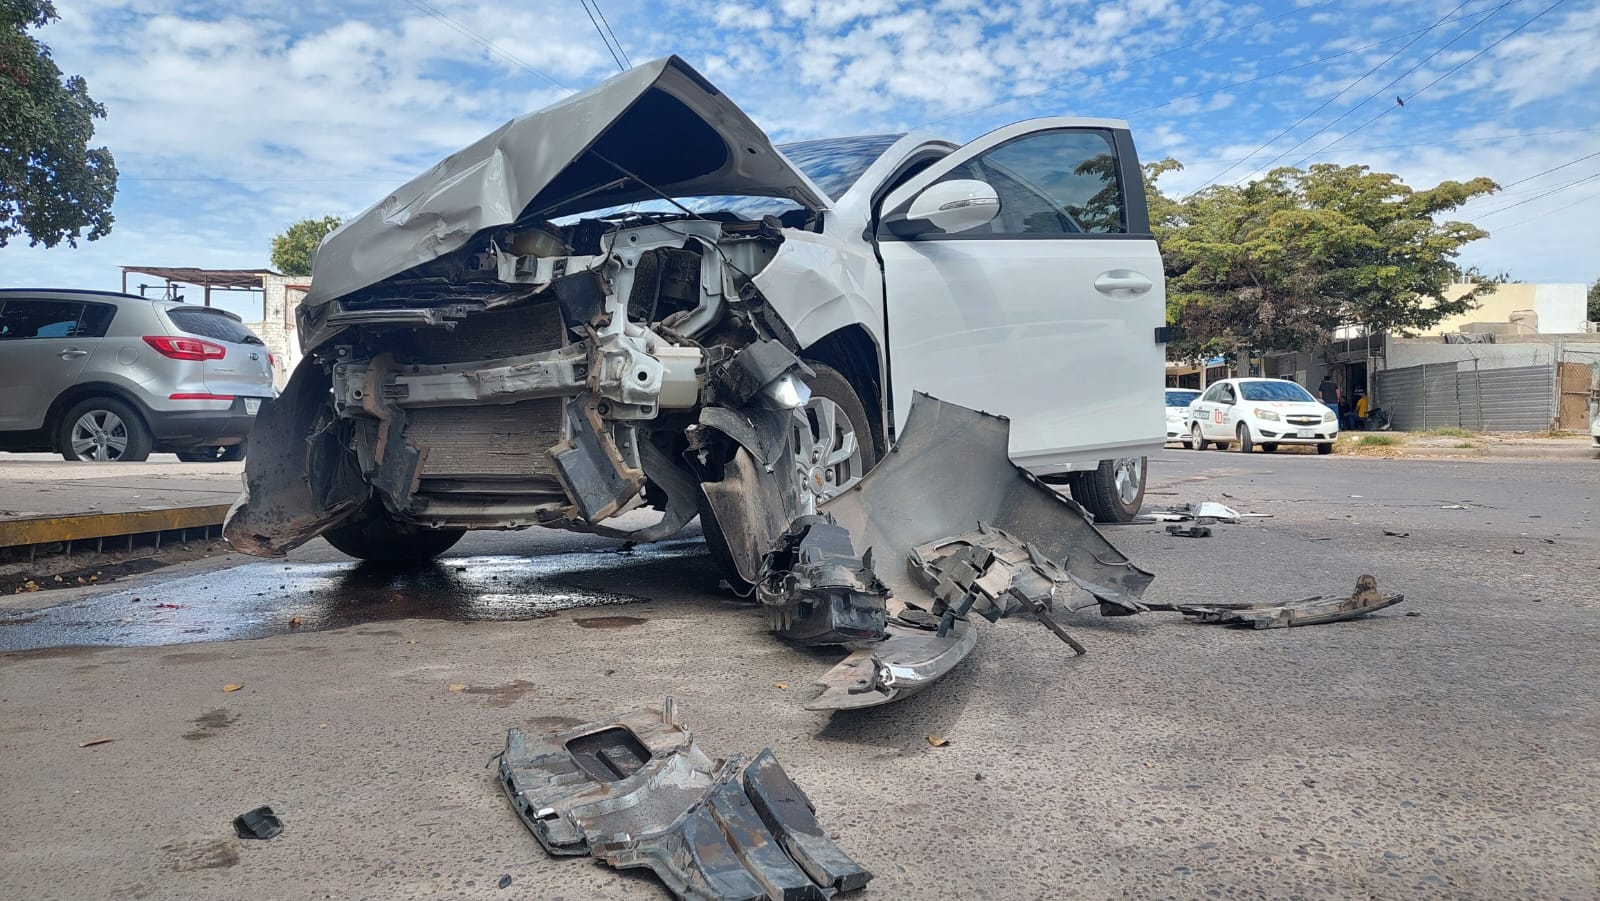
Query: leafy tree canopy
[[53, 187], [1594, 301], [293, 250], [1278, 264]]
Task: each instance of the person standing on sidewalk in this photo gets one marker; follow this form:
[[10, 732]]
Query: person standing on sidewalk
[[1329, 392]]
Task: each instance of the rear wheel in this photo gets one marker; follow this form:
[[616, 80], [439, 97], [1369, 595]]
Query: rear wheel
[[376, 536], [1114, 491], [1245, 444], [1196, 440], [220, 454], [103, 430]]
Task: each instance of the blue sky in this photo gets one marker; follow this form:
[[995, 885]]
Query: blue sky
[[229, 121]]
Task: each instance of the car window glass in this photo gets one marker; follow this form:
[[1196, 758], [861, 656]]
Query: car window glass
[[1284, 391], [96, 320], [208, 324], [1057, 182], [40, 319], [1179, 398], [1227, 394]]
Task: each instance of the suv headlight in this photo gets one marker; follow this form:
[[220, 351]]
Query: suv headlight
[[1328, 416], [1265, 414]]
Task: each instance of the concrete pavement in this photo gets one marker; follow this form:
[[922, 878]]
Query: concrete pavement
[[1443, 755]]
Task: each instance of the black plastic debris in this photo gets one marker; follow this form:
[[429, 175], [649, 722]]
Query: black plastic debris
[[260, 823], [635, 790], [816, 590], [1189, 531]]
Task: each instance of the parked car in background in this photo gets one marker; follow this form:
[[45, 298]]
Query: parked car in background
[[1594, 417], [1268, 412], [107, 377], [1178, 401]]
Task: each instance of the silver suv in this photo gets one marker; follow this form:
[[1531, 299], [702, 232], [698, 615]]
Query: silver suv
[[101, 376]]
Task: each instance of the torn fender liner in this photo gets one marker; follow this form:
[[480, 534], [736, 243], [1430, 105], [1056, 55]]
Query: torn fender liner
[[299, 479], [636, 790], [949, 475], [1311, 611]]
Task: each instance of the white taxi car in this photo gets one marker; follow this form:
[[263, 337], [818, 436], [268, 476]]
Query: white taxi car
[[1268, 412], [1178, 401]]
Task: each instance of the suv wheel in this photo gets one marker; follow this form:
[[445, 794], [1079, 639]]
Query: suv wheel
[[832, 439], [228, 454], [376, 536], [103, 430], [1114, 491]]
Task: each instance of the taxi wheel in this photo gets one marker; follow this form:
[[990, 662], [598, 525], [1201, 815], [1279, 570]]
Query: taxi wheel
[[1195, 441], [1325, 448], [1245, 444], [1270, 447]]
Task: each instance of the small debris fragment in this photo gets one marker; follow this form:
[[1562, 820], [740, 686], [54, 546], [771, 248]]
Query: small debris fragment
[[977, 777], [1414, 613], [1518, 550], [166, 606], [1393, 534], [506, 879], [294, 622], [1190, 531], [938, 742], [782, 685], [260, 823], [96, 741], [458, 686], [232, 686]]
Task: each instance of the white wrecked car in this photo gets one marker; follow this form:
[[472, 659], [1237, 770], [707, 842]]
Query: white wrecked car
[[633, 299]]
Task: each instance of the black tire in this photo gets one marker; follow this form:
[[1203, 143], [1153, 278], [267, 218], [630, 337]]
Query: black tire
[[1325, 448], [1196, 441], [1114, 491], [1245, 444], [79, 433], [375, 536], [221, 454], [829, 384], [1270, 447]]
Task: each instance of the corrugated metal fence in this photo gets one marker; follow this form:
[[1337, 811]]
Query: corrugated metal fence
[[1439, 395]]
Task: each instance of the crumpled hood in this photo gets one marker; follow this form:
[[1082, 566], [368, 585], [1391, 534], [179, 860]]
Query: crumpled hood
[[662, 122]]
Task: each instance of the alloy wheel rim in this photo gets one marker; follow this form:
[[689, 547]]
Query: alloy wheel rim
[[1128, 474], [827, 451], [99, 435]]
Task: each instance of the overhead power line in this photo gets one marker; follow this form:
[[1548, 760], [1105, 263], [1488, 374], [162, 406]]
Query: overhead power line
[[493, 47], [602, 32], [1053, 86], [1555, 190], [1468, 61], [1509, 136], [1552, 169], [616, 43], [1342, 91]]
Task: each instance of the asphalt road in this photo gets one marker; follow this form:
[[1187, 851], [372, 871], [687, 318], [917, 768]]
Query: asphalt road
[[1446, 754]]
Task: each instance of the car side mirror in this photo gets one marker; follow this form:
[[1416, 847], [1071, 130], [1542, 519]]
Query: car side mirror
[[948, 207]]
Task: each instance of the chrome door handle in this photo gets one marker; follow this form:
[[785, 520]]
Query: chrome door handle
[[72, 353], [1122, 280]]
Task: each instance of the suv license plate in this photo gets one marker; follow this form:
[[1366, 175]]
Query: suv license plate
[[1300, 434], [252, 405]]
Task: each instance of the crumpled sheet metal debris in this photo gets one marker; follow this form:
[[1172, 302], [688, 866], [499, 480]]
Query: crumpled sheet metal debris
[[977, 533], [1308, 612], [636, 790]]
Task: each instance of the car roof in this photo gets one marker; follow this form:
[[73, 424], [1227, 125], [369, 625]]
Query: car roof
[[75, 292]]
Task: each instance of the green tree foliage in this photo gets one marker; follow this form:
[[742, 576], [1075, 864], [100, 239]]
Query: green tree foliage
[[53, 187], [293, 250], [1278, 264], [1594, 301]]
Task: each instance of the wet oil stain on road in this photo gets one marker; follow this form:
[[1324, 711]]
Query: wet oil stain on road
[[261, 599]]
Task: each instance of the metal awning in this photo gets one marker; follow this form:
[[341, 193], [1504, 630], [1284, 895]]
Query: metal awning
[[208, 279]]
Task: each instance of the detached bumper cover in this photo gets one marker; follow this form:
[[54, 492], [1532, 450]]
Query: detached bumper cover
[[637, 791]]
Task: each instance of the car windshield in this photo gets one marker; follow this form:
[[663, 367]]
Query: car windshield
[[1274, 390], [1181, 398], [835, 164]]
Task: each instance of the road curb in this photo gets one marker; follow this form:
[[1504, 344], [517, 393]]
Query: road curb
[[25, 531]]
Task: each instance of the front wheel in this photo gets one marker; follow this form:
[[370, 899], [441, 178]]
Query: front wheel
[[1114, 491], [1325, 447], [220, 454], [376, 536], [832, 436], [1196, 440], [1270, 447], [1245, 444]]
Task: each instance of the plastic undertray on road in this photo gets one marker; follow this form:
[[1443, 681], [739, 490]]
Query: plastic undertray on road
[[636, 790]]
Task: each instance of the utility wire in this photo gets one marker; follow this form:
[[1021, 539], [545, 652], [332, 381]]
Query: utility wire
[[1447, 74], [1481, 140], [613, 34], [1306, 65], [1381, 90], [1324, 105], [1593, 195], [443, 17], [1143, 59], [1542, 194], [602, 32], [1552, 169]]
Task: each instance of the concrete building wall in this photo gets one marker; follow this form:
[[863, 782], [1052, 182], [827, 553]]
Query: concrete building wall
[[281, 296], [1557, 308]]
